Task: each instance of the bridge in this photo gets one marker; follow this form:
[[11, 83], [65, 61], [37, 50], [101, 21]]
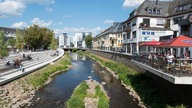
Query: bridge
[[74, 49]]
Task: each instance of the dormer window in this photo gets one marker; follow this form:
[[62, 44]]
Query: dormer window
[[158, 11], [183, 7], [150, 11]]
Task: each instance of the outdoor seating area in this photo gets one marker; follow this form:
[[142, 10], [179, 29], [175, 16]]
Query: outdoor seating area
[[179, 67], [166, 57]]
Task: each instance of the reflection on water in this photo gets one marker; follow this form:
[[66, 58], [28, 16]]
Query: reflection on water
[[59, 90]]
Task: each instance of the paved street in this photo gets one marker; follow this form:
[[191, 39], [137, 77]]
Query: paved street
[[39, 59]]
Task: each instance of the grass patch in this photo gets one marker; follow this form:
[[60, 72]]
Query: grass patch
[[152, 95], [103, 99], [38, 78], [77, 99]]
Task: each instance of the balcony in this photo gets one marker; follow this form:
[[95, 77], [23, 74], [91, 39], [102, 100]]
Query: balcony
[[127, 29], [112, 38], [179, 72]]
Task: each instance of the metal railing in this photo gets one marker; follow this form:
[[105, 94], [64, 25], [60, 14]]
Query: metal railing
[[179, 67]]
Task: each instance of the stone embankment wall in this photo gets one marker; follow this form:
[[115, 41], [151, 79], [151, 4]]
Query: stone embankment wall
[[118, 57], [181, 93]]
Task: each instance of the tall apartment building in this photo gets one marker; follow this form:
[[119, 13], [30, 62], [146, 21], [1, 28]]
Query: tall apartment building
[[63, 40], [78, 39]]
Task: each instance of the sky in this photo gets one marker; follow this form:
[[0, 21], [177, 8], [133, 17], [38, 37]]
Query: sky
[[65, 16]]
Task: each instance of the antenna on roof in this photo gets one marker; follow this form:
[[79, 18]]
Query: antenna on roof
[[157, 2]]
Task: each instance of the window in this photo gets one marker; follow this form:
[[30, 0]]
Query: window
[[105, 37], [118, 41], [119, 35], [160, 22], [152, 33], [177, 19], [149, 11], [128, 35], [128, 24], [124, 36], [134, 34], [158, 11], [134, 22], [146, 22], [143, 33], [148, 33]]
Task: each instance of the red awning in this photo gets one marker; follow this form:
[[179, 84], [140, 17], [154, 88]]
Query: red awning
[[151, 43], [180, 41]]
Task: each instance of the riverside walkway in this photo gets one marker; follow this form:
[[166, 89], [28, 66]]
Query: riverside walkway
[[39, 60]]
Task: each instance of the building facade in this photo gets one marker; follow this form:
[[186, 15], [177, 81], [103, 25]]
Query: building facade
[[153, 20], [146, 23], [63, 40], [180, 21], [78, 39], [8, 32], [110, 39]]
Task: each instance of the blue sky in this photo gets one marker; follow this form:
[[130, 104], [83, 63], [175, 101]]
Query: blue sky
[[68, 16]]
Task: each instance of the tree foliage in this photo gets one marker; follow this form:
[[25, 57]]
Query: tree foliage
[[19, 39], [11, 42], [54, 44], [38, 37], [3, 46], [88, 41]]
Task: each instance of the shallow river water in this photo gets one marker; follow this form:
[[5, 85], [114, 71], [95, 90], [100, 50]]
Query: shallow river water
[[59, 90]]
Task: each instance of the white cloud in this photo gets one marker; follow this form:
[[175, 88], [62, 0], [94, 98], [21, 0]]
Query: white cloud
[[132, 3], [19, 25], [40, 22], [46, 2], [108, 21], [16, 7], [72, 30], [49, 9], [11, 8]]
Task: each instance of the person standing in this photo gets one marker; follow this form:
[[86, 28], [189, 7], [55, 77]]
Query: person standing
[[170, 58]]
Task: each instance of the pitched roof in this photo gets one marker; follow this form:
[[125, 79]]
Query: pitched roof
[[115, 28], [8, 29], [175, 6], [147, 4]]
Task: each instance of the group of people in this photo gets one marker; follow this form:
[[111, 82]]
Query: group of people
[[168, 56]]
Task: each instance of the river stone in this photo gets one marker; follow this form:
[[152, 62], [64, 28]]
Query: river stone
[[89, 77]]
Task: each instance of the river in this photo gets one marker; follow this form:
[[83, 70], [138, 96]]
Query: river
[[59, 90]]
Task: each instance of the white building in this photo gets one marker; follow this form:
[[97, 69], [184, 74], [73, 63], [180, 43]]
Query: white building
[[63, 40], [78, 39], [146, 23]]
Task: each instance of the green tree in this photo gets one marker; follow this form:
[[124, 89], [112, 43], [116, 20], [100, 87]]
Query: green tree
[[38, 37], [88, 41], [3, 46], [11, 42], [54, 44], [19, 39]]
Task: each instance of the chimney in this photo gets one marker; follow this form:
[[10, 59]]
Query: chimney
[[157, 2]]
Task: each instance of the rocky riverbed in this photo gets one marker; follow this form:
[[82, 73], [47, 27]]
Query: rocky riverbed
[[19, 93]]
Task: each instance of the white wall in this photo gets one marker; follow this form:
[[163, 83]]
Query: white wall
[[61, 40]]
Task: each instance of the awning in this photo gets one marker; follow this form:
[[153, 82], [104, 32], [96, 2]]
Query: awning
[[180, 41], [151, 43]]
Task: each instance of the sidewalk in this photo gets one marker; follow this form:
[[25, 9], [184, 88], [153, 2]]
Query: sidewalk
[[18, 73]]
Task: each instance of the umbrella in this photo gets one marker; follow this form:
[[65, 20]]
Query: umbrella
[[151, 43], [180, 41]]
